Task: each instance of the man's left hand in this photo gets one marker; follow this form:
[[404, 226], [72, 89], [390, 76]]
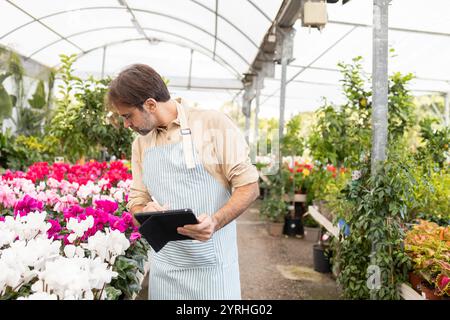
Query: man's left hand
[[202, 231]]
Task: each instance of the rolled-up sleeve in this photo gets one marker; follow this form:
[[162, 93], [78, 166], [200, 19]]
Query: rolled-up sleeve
[[139, 194], [232, 152]]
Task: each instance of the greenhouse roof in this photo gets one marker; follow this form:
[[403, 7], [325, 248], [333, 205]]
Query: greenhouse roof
[[204, 47]]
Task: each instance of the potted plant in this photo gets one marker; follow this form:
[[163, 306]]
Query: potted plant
[[321, 255], [428, 246], [274, 211], [311, 228], [273, 207]]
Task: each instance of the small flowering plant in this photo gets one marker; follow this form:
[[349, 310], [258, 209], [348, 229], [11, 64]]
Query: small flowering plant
[[74, 213], [298, 177]]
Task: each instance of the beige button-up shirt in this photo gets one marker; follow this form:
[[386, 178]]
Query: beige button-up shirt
[[218, 142]]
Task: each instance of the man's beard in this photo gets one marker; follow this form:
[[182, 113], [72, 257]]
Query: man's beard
[[144, 131]]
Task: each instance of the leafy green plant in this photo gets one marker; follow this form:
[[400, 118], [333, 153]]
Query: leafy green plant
[[342, 135], [273, 207], [377, 230], [80, 121], [436, 142], [128, 284]]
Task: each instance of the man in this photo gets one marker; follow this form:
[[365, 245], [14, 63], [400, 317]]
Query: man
[[186, 158]]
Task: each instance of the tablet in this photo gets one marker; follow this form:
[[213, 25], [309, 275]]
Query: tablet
[[184, 214], [160, 227]]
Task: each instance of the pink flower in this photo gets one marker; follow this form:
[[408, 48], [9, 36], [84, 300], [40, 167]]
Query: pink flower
[[54, 230], [108, 206], [128, 218], [7, 197], [72, 211], [26, 205], [135, 236], [2, 218], [117, 223]]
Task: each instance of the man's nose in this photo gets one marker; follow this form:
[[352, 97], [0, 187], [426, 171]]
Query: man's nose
[[126, 123]]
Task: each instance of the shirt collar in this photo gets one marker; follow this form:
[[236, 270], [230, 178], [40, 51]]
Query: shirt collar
[[175, 122]]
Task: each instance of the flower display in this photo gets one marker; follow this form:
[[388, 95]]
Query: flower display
[[65, 233]]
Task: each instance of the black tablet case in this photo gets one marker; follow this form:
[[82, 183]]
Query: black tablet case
[[160, 227]]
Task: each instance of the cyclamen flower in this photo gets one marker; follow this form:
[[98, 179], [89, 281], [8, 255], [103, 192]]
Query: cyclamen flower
[[7, 196], [105, 205], [117, 223], [26, 205], [108, 245], [134, 237], [79, 227], [53, 232]]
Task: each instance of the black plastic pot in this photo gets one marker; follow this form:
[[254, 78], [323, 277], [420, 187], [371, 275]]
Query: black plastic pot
[[321, 260], [293, 227]]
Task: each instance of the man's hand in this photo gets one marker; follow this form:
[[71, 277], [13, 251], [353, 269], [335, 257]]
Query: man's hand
[[202, 231]]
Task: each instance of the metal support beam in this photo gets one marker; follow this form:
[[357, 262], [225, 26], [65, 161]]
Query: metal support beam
[[103, 62], [249, 94], [190, 70], [215, 29], [447, 109], [380, 82], [380, 90], [285, 54]]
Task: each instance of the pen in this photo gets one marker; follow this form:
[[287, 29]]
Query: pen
[[154, 200]]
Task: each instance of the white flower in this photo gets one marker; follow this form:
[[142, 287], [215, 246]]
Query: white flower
[[73, 251], [29, 226], [79, 228], [108, 245], [356, 175], [39, 296]]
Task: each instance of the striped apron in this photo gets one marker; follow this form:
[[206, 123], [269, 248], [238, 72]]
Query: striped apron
[[190, 269]]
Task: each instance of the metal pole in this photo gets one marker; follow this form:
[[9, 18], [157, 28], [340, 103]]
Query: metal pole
[[447, 110], [257, 115], [103, 62], [380, 82], [284, 62], [379, 115], [190, 71], [247, 127]]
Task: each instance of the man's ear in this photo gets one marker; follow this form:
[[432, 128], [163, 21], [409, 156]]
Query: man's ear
[[150, 105]]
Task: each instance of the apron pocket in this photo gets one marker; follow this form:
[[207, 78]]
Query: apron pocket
[[188, 253]]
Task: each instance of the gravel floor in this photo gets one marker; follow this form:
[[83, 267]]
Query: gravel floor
[[275, 268]]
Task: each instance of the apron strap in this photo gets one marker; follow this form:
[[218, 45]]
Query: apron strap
[[185, 132]]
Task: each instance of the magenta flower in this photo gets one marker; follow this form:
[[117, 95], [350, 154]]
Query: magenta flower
[[106, 205], [26, 205], [54, 230], [2, 218], [72, 211], [128, 218], [117, 223], [135, 236]]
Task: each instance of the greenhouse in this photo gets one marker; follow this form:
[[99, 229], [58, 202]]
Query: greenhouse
[[224, 150]]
